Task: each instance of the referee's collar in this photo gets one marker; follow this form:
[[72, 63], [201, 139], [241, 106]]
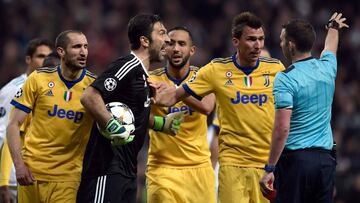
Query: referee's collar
[[147, 74]]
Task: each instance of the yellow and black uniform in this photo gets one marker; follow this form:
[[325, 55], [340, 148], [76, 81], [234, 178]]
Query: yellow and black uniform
[[246, 112], [55, 141], [184, 159]]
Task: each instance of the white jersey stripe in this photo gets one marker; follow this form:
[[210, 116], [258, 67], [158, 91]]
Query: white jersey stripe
[[100, 189], [129, 63], [96, 190], [128, 70], [124, 71], [103, 191]]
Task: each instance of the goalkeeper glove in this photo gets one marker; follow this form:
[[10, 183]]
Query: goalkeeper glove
[[169, 124], [117, 133]]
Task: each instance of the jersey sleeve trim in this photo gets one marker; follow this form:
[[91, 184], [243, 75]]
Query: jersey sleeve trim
[[192, 93], [20, 106]]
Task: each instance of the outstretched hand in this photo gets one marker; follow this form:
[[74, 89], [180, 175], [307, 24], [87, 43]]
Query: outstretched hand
[[163, 94], [337, 21]]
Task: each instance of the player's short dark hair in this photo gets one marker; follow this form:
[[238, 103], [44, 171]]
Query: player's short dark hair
[[245, 19], [53, 59], [35, 43], [62, 40], [183, 28], [141, 25], [300, 32]]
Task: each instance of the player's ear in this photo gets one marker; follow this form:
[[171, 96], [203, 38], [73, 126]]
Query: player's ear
[[292, 47], [192, 50], [60, 51], [28, 60], [235, 41], [144, 41]]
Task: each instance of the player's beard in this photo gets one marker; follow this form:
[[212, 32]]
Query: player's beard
[[181, 64], [72, 63], [155, 55]]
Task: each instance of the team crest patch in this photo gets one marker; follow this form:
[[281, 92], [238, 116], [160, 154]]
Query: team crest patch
[[67, 96], [19, 93], [2, 112], [267, 80], [110, 84]]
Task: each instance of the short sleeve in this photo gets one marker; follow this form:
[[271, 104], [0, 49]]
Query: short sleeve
[[283, 92], [329, 60], [26, 96], [114, 79], [200, 84]]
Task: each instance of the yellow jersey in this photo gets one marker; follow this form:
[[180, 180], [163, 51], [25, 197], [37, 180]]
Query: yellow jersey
[[55, 141], [245, 107], [189, 147]]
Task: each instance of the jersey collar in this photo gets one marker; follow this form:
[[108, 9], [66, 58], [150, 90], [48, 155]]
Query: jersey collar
[[246, 69], [69, 84], [176, 81], [142, 65], [304, 59]]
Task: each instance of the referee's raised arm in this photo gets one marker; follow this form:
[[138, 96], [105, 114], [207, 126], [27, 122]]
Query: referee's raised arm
[[336, 22]]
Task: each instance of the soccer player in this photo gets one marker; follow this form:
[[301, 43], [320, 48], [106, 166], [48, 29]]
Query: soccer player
[[242, 85], [51, 60], [37, 49], [302, 139], [184, 159], [110, 162], [48, 167]]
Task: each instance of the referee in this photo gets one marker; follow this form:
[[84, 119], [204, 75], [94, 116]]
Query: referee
[[302, 139]]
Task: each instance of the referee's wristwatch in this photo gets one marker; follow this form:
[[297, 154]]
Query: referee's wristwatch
[[269, 168]]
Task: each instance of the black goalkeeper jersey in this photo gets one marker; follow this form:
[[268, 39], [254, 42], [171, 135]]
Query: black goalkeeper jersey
[[124, 81]]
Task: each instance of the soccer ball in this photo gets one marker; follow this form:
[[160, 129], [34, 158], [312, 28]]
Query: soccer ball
[[121, 112]]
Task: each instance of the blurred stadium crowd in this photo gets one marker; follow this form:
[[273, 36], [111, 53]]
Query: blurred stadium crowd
[[104, 23]]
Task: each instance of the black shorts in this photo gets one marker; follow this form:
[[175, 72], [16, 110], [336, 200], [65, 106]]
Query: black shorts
[[305, 176], [108, 188]]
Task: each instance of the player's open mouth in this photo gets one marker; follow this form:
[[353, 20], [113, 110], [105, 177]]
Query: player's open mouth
[[176, 58], [82, 61]]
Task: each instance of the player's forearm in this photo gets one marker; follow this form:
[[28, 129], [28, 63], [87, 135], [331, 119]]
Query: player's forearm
[[13, 138], [214, 149], [151, 121], [277, 145], [280, 134], [331, 40], [180, 95], [94, 104], [205, 106]]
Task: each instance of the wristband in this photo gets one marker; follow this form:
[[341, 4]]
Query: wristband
[[269, 168], [333, 24], [158, 123]]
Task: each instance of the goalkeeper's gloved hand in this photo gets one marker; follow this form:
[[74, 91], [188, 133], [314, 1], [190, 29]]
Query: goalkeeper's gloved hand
[[169, 124], [116, 132], [121, 141]]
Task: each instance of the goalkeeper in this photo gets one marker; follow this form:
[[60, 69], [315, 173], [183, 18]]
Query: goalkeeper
[[110, 161], [184, 159]]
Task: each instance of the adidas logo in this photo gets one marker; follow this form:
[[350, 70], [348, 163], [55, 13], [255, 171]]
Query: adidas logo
[[49, 93], [229, 82]]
